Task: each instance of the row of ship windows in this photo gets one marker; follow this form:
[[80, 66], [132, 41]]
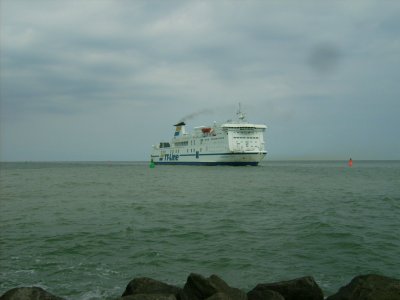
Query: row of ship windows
[[247, 138], [177, 151], [193, 142], [182, 143], [244, 132]]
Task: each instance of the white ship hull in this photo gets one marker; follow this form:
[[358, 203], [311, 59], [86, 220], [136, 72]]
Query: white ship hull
[[212, 159], [232, 143]]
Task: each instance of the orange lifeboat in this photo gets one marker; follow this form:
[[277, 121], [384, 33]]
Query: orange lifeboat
[[206, 130]]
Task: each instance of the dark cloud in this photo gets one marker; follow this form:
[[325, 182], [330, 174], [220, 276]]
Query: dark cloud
[[324, 58]]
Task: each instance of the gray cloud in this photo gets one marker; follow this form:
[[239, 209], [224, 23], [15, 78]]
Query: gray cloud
[[150, 62], [324, 58]]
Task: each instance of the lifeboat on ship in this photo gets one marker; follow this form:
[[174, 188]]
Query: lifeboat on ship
[[206, 130]]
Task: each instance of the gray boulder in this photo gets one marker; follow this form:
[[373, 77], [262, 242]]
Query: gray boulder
[[304, 288], [198, 287], [264, 295], [149, 297], [369, 287], [219, 296], [28, 293], [149, 286]]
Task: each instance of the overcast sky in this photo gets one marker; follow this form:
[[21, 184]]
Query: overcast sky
[[105, 80]]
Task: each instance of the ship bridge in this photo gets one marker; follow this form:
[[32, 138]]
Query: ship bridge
[[243, 126], [245, 137]]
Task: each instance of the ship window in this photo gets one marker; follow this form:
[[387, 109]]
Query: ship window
[[179, 144]]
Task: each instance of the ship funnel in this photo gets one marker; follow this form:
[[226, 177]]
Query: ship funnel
[[179, 129]]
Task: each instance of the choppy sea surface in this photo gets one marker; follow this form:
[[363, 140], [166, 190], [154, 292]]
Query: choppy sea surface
[[84, 230]]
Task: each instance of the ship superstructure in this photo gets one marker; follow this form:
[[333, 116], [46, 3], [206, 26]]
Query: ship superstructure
[[231, 143]]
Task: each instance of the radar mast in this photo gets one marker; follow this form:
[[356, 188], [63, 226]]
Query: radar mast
[[241, 115]]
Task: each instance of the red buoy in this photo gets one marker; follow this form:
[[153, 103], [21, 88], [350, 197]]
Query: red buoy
[[350, 163]]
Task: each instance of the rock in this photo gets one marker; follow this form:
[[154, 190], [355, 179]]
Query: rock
[[369, 287], [198, 287], [150, 286], [28, 293], [219, 296], [304, 288], [149, 297], [264, 295]]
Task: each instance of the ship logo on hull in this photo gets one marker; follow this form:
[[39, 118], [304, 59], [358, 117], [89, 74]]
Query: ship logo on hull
[[171, 157]]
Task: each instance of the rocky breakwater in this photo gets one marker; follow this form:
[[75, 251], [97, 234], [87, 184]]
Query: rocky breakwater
[[197, 287]]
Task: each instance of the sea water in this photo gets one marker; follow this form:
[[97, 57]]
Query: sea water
[[84, 230]]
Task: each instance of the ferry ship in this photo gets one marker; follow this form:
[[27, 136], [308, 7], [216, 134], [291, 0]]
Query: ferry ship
[[236, 143]]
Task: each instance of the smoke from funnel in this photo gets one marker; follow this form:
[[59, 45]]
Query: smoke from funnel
[[195, 114]]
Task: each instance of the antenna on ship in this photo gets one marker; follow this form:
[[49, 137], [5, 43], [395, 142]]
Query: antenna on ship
[[241, 115]]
